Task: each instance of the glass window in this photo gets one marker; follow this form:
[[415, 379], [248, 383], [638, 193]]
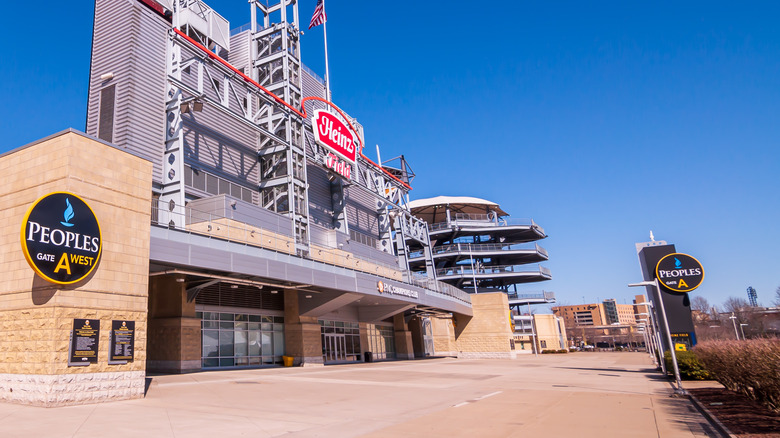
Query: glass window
[[210, 343], [225, 343], [228, 339], [240, 343], [254, 343], [267, 344], [278, 343]]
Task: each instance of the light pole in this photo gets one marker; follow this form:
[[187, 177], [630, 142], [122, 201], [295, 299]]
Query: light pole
[[655, 336], [741, 328], [734, 321], [680, 390]]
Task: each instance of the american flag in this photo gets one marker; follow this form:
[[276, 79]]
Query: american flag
[[319, 16]]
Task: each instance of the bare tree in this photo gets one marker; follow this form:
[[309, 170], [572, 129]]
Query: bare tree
[[700, 309], [737, 306], [700, 304]]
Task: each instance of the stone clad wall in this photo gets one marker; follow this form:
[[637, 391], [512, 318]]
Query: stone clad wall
[[443, 337], [36, 317], [488, 333]]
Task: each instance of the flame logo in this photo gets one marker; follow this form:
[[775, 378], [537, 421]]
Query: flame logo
[[677, 263], [68, 215]]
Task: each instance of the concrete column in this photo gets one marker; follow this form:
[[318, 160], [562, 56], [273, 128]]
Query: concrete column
[[403, 338], [302, 334], [174, 331]]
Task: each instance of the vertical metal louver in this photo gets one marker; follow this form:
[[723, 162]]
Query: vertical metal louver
[[106, 114]]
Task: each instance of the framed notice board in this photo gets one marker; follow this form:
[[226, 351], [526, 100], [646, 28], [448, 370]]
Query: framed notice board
[[122, 342], [84, 341]]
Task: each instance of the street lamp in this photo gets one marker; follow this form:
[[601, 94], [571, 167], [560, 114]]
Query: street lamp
[[741, 328], [680, 390], [656, 336], [734, 321]]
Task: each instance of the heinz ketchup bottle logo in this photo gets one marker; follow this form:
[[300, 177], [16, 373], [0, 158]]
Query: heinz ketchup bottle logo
[[330, 132]]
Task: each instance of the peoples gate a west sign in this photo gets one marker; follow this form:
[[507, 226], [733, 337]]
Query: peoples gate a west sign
[[679, 272], [61, 238]]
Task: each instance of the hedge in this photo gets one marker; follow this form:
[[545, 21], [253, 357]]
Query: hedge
[[750, 367], [689, 365]]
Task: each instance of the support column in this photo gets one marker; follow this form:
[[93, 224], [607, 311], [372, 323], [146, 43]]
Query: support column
[[302, 334], [174, 331], [403, 338]]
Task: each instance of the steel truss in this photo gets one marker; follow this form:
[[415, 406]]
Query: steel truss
[[267, 98]]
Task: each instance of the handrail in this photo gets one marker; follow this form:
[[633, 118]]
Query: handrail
[[475, 248], [499, 269], [502, 222]]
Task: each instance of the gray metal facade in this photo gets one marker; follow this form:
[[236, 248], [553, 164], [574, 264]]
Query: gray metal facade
[[223, 147]]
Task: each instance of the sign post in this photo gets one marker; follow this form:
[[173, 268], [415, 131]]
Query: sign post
[[680, 273]]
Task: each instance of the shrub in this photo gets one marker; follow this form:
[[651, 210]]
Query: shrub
[[689, 365], [750, 367]]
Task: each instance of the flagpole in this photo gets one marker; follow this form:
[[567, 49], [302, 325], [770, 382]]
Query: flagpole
[[325, 37]]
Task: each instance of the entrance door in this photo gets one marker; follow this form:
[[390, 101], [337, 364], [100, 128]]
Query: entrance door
[[335, 346]]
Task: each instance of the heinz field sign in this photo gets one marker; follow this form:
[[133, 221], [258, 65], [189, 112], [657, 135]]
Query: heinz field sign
[[331, 133], [61, 238]]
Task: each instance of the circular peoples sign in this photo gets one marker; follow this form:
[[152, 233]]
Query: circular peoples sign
[[679, 272], [61, 238]]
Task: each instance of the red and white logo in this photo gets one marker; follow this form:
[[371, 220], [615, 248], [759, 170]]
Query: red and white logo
[[332, 133]]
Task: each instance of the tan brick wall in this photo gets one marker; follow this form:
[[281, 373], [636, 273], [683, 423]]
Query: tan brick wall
[[302, 334], [443, 337], [488, 333], [547, 331], [36, 316]]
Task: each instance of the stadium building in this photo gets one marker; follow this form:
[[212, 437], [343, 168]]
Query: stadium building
[[217, 213]]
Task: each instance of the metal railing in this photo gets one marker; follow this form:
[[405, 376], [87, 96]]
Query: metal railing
[[475, 248], [543, 295], [463, 219], [420, 280], [492, 270], [219, 227]]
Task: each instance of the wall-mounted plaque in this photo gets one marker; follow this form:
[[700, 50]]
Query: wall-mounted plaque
[[122, 342], [84, 342]]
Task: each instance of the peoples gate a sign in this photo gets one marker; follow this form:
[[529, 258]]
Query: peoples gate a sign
[[679, 272], [61, 238]]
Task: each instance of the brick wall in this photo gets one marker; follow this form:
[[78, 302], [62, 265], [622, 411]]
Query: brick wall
[[488, 333]]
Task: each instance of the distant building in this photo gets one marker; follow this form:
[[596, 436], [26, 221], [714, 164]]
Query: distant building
[[607, 322], [608, 312]]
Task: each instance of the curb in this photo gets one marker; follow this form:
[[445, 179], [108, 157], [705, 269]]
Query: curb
[[712, 419]]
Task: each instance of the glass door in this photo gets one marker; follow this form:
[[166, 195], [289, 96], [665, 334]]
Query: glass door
[[335, 347]]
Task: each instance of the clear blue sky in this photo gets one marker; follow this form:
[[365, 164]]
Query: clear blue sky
[[600, 121]]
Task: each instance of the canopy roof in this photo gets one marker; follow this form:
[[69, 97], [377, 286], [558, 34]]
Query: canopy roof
[[433, 210]]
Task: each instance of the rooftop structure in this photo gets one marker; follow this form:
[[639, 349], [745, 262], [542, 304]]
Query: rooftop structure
[[476, 247]]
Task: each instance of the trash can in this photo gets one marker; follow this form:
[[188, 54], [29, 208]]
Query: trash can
[[288, 361], [369, 356]]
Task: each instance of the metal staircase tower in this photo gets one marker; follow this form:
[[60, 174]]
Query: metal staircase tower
[[275, 63]]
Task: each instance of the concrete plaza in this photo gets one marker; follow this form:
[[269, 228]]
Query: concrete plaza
[[578, 394]]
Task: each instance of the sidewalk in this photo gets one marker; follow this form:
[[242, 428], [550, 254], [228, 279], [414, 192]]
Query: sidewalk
[[578, 394]]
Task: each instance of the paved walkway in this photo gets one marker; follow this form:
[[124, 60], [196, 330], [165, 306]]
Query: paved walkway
[[575, 395]]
